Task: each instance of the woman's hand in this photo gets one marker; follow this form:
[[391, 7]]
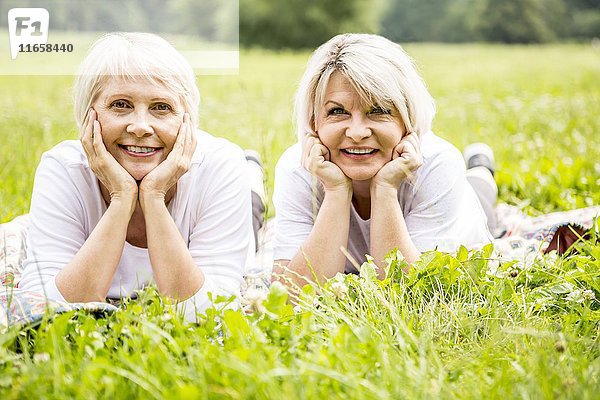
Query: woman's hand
[[162, 178], [117, 181], [406, 158], [315, 158]]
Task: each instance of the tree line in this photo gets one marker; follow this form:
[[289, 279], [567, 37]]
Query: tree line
[[307, 23]]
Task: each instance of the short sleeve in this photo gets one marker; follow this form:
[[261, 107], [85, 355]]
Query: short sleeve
[[444, 212], [297, 199], [222, 229], [57, 228]]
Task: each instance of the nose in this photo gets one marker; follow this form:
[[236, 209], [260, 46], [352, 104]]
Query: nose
[[358, 129], [139, 124]]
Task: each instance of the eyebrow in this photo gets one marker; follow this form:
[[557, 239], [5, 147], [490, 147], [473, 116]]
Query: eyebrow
[[333, 102], [152, 100]]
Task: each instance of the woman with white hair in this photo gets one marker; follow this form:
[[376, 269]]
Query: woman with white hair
[[384, 180], [143, 195]]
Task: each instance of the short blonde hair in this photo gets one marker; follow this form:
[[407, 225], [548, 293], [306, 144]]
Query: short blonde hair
[[133, 56], [379, 70]]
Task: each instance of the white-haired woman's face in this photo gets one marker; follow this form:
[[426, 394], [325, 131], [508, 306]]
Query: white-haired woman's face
[[360, 137], [139, 121]]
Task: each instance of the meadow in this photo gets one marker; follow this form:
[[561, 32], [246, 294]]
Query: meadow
[[449, 329]]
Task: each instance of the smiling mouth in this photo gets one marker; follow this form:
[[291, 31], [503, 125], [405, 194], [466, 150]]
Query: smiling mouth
[[359, 152], [140, 151]]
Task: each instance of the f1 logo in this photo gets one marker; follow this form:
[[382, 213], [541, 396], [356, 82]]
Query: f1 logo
[[27, 26]]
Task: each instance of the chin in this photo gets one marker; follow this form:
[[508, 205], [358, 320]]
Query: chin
[[139, 173], [359, 175]]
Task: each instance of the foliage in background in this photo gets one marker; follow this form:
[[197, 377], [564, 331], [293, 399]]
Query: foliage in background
[[301, 24], [507, 21], [304, 23]]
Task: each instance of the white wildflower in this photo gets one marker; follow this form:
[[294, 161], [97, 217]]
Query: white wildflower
[[575, 296], [588, 295], [279, 288], [254, 298], [339, 289], [41, 357]]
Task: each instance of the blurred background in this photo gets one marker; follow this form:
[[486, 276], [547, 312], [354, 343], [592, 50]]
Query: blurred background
[[307, 23], [278, 24]]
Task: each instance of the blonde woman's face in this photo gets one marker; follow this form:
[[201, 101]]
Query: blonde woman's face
[[139, 121], [360, 137]]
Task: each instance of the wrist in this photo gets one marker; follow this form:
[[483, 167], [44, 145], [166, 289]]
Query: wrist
[[151, 199], [339, 192], [380, 189], [122, 204]]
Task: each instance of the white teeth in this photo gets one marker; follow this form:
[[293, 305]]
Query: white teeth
[[359, 151], [137, 149]]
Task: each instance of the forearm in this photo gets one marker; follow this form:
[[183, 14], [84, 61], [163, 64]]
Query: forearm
[[388, 228], [175, 272], [89, 275], [321, 251]]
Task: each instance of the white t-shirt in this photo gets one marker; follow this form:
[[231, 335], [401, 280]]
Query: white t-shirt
[[211, 208], [440, 208]]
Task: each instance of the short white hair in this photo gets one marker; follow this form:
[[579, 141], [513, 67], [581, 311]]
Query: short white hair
[[378, 69], [134, 55]]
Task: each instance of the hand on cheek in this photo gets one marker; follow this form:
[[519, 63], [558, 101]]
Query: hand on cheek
[[316, 159], [162, 178], [115, 179], [406, 158]]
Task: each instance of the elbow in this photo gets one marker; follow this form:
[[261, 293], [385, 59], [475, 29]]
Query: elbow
[[84, 297], [79, 293], [181, 289]]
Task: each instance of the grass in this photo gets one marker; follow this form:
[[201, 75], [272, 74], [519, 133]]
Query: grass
[[459, 326]]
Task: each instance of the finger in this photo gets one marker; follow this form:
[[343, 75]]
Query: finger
[[86, 138], [408, 150], [411, 159], [318, 154], [315, 158], [86, 127], [307, 144], [87, 132], [97, 143], [414, 139], [190, 146], [179, 145], [398, 150], [324, 151]]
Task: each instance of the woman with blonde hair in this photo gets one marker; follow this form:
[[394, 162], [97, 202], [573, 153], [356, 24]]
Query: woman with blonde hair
[[367, 174], [143, 196]]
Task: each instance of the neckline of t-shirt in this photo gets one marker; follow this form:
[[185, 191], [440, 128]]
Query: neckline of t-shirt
[[136, 248], [358, 217]]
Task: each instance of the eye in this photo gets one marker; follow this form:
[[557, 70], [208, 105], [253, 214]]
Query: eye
[[162, 107], [336, 111], [379, 110], [120, 104]]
